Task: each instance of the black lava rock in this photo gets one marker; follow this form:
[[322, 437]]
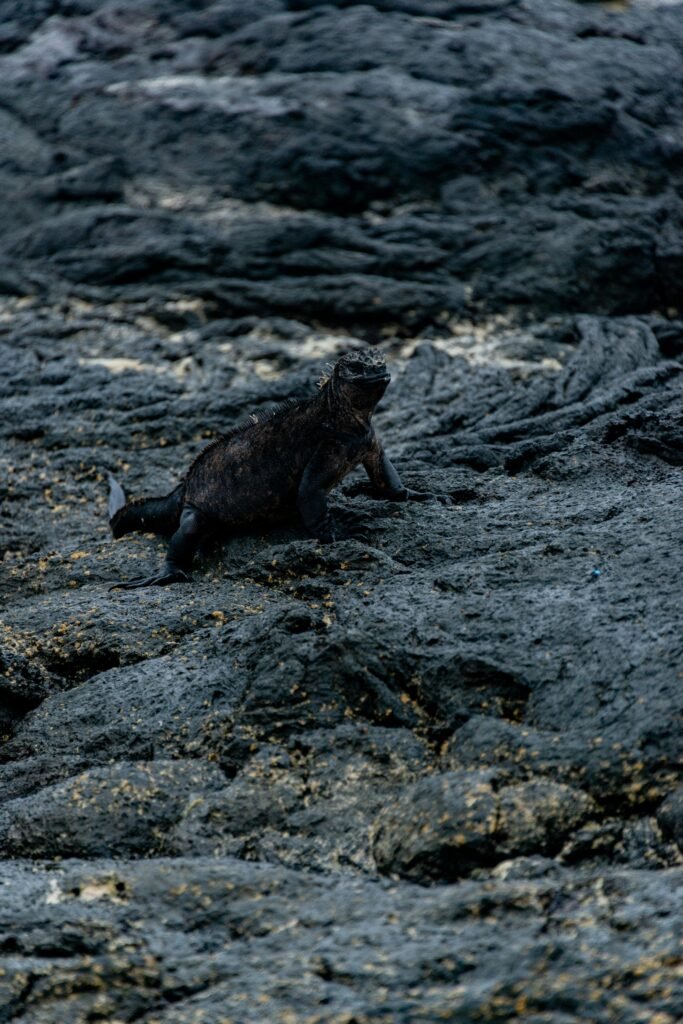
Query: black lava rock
[[435, 776]]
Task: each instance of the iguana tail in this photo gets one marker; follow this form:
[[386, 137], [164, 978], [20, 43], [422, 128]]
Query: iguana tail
[[145, 515]]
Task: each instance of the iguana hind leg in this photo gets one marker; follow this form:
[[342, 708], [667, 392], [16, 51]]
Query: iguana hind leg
[[144, 515], [182, 548]]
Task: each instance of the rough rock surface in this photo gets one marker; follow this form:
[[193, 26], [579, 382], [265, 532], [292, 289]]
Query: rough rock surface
[[432, 777]]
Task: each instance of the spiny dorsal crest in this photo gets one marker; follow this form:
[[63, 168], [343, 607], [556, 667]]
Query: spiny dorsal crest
[[326, 374]]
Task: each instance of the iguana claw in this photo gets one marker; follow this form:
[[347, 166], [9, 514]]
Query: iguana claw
[[160, 580]]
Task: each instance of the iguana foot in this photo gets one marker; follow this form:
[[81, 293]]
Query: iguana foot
[[162, 579], [339, 535], [362, 487], [352, 525], [386, 494], [355, 533], [344, 533], [443, 499]]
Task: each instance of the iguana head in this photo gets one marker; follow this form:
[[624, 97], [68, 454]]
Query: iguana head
[[361, 375]]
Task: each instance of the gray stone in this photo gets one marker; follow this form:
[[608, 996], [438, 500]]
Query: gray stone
[[670, 816], [445, 826], [127, 806]]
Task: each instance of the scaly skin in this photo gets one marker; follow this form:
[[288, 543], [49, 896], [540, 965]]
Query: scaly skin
[[281, 463]]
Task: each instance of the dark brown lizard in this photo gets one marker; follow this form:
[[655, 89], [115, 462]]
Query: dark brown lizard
[[281, 462]]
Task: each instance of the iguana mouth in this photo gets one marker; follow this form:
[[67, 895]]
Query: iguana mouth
[[382, 375]]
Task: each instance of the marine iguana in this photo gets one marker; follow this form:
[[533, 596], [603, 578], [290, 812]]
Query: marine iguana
[[280, 462]]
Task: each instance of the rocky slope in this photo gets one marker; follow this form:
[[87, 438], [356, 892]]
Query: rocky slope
[[434, 777]]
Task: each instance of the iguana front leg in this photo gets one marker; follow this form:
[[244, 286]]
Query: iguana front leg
[[328, 466], [386, 483]]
